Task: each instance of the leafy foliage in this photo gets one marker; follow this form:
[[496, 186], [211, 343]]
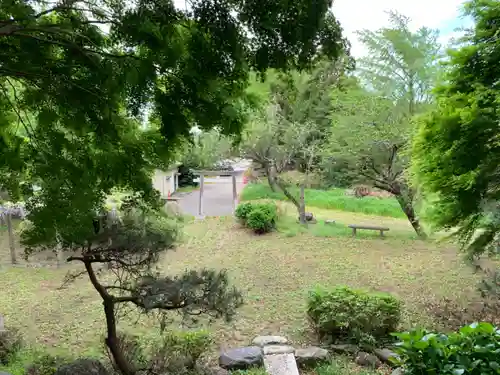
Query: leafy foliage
[[10, 344], [191, 345], [342, 313], [463, 184], [472, 350], [373, 120], [77, 79], [260, 217], [243, 210], [46, 365]]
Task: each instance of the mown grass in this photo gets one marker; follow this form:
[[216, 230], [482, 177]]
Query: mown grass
[[333, 199], [274, 272]]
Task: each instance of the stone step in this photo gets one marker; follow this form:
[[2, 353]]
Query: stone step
[[281, 364]]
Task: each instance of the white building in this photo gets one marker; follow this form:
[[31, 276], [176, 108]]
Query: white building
[[166, 181]]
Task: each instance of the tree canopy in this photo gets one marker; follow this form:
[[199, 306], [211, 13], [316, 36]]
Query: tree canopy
[[456, 152], [77, 79]]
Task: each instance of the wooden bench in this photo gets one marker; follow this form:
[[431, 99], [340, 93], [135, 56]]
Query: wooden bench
[[355, 227]]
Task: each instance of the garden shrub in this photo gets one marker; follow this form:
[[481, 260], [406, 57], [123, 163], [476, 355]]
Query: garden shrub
[[46, 365], [345, 314], [243, 210], [180, 351], [262, 218], [473, 350], [11, 343]]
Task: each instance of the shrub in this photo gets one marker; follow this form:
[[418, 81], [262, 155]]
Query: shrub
[[46, 365], [262, 218], [10, 344], [180, 351], [472, 350], [243, 210], [132, 349], [351, 315]]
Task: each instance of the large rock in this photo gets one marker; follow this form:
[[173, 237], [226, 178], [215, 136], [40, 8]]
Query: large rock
[[385, 355], [84, 366], [367, 360], [278, 349], [398, 371], [311, 356], [269, 340], [241, 358]]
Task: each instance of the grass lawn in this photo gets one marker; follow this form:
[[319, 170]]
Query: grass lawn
[[333, 199], [274, 271]]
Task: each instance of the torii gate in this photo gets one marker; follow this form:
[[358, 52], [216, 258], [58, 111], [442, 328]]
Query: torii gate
[[203, 173]]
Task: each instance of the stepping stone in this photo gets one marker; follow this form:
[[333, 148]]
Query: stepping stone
[[311, 356], [278, 349], [281, 364], [269, 340], [241, 358]]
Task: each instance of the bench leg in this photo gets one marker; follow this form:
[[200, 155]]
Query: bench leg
[[354, 232], [381, 233]]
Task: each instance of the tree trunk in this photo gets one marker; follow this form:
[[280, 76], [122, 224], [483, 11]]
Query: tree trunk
[[112, 340], [270, 180], [406, 204], [10, 232], [302, 205]]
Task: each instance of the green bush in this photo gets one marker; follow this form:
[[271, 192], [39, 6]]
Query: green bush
[[10, 344], [185, 347], [243, 210], [46, 365], [473, 350], [352, 315], [262, 218]]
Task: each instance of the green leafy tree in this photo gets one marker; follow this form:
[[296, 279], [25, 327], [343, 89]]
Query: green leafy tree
[[373, 120], [76, 80], [455, 154]]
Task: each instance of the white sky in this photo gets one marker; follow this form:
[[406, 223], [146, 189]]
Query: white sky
[[371, 14]]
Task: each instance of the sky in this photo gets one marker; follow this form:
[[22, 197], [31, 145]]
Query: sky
[[371, 14]]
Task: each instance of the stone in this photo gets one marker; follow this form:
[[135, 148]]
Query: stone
[[344, 349], [329, 221], [278, 349], [311, 356], [5, 373], [269, 340], [385, 355], [309, 217], [398, 371], [281, 364], [367, 360], [241, 358], [84, 366]]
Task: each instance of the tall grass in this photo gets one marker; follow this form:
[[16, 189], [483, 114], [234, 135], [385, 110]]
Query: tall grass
[[333, 199]]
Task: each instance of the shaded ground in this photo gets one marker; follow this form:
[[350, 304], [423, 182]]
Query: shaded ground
[[275, 273]]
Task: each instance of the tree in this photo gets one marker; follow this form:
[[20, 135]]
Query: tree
[[276, 143], [72, 74], [373, 123], [128, 244], [455, 154], [206, 149], [76, 81]]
